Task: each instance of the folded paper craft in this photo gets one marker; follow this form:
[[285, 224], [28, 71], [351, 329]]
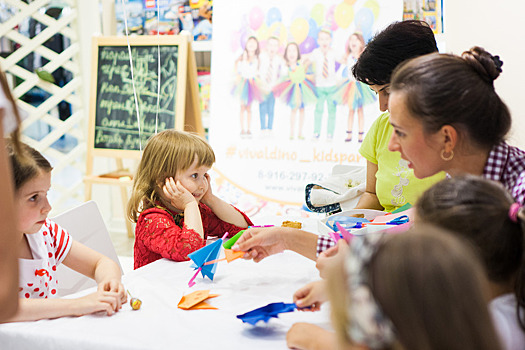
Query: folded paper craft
[[266, 312], [195, 301], [205, 259]]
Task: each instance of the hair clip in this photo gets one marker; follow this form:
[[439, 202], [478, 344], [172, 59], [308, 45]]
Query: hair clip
[[513, 212], [497, 62]]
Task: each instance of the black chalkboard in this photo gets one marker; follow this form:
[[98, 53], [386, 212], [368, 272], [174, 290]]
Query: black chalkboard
[[116, 124]]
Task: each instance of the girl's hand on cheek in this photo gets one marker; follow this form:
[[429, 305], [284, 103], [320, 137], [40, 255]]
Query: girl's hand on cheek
[[177, 194], [208, 195]]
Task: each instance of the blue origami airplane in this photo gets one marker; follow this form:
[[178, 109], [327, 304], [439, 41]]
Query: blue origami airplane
[[203, 256], [266, 312]]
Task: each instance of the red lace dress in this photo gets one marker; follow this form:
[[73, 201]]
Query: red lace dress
[[161, 233]]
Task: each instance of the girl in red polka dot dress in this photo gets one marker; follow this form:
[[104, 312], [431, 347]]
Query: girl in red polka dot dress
[[44, 245], [172, 201]]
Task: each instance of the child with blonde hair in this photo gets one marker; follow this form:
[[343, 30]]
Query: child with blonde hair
[[44, 245], [172, 201], [484, 213]]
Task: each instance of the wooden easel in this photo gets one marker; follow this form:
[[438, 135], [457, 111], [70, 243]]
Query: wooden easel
[[187, 113]]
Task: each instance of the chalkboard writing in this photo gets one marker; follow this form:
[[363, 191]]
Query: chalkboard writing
[[116, 124]]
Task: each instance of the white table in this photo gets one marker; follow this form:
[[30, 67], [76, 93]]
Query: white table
[[159, 324]]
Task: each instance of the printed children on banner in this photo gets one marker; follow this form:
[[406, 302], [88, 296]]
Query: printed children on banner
[[271, 64], [297, 89], [248, 85], [323, 59], [352, 93]]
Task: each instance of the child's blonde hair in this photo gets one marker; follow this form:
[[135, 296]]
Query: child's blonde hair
[[165, 155], [429, 285]]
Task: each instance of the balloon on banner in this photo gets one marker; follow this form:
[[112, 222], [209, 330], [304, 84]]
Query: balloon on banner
[[330, 20], [256, 18], [279, 31], [367, 35], [350, 2], [308, 45], [273, 15], [263, 32], [364, 19], [374, 6], [317, 14], [344, 15], [299, 29], [300, 12], [242, 39], [313, 30]]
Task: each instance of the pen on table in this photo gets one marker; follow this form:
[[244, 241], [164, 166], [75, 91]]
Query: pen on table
[[261, 226]]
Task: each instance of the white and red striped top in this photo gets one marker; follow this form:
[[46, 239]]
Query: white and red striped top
[[49, 247]]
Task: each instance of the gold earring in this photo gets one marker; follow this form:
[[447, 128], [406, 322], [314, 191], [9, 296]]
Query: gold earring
[[449, 157]]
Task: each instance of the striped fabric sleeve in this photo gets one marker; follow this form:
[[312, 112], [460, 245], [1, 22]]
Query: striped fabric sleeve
[[62, 240]]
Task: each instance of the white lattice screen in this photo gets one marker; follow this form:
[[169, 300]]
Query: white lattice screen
[[61, 140]]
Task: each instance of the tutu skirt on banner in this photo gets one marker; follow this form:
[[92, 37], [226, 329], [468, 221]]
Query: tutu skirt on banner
[[296, 95], [248, 90], [354, 94], [297, 91]]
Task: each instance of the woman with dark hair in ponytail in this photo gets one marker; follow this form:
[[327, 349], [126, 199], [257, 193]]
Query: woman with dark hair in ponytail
[[447, 117], [486, 216]]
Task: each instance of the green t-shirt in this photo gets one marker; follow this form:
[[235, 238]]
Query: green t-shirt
[[396, 184]]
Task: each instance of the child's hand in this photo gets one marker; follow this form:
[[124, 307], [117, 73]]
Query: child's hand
[[328, 257], [108, 302], [116, 286], [311, 295], [178, 195], [308, 336], [208, 195]]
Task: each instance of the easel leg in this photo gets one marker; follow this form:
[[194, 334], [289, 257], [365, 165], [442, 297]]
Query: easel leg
[[124, 196], [88, 190]]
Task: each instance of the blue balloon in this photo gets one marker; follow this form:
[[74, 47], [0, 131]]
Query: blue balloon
[[314, 30], [364, 19], [273, 15], [367, 35]]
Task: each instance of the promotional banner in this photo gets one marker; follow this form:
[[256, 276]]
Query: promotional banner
[[285, 108]]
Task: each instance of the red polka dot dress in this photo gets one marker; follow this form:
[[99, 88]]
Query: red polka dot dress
[[49, 247]]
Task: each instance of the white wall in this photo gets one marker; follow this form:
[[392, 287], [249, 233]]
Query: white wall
[[499, 27]]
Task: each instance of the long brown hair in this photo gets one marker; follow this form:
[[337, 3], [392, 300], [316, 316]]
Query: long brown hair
[[478, 210], [431, 286], [165, 154]]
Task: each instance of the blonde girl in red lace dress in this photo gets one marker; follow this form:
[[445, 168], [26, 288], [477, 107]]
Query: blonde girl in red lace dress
[[172, 201]]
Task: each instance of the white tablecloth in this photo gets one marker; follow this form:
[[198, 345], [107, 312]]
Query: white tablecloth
[[159, 324]]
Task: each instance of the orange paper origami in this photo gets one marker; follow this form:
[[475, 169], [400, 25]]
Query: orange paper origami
[[195, 301]]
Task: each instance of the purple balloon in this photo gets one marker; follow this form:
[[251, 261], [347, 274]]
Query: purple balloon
[[308, 45], [243, 37]]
